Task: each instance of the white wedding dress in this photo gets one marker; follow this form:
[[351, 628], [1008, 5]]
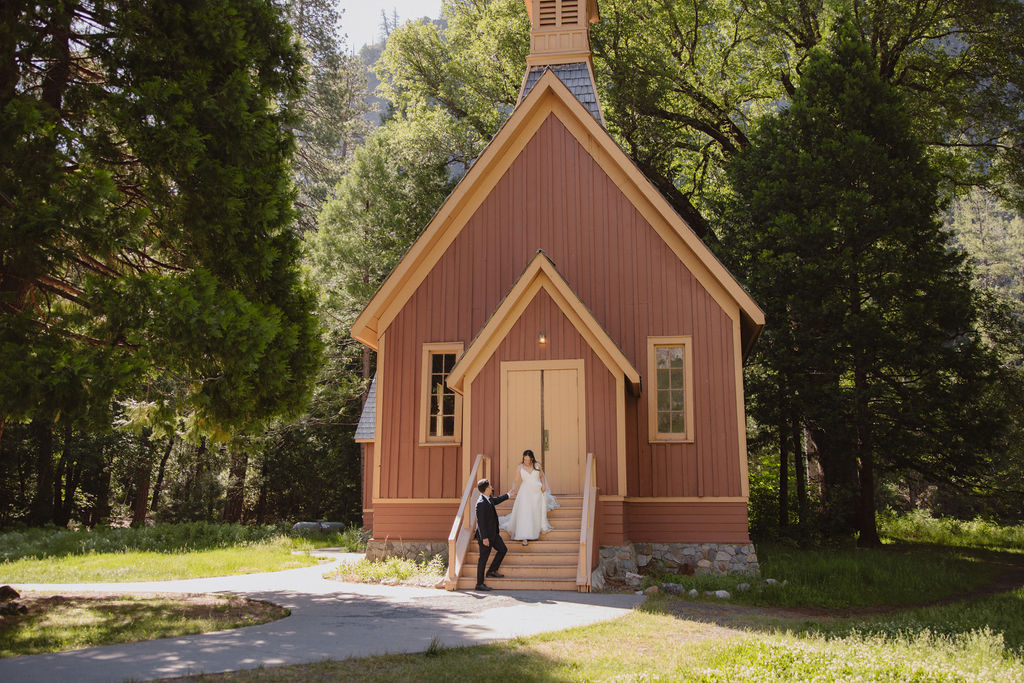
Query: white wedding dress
[[529, 516]]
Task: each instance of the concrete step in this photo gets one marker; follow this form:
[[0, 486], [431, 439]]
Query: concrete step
[[524, 583], [514, 558]]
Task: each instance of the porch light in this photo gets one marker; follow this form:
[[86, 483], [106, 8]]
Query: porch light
[[542, 338]]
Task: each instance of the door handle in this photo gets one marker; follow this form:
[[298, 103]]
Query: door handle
[[547, 441]]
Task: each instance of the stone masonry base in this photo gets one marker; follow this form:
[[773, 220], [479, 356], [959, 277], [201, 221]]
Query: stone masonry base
[[685, 558]]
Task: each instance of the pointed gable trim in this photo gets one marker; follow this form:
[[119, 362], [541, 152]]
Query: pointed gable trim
[[540, 274], [551, 97]]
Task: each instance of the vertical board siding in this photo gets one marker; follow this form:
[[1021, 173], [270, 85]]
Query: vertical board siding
[[555, 197], [367, 485], [413, 521], [686, 522]]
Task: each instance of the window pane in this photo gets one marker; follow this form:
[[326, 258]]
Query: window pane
[[677, 402], [436, 363], [676, 379], [664, 400], [449, 403], [675, 356], [677, 423], [664, 423], [661, 355], [663, 380], [449, 362], [433, 404], [432, 422], [449, 426]]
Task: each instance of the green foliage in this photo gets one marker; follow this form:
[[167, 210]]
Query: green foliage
[[918, 526], [426, 572], [148, 161], [883, 363]]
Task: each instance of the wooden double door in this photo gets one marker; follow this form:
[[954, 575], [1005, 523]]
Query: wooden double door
[[543, 410]]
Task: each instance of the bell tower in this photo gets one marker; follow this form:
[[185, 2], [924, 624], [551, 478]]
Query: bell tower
[[560, 41]]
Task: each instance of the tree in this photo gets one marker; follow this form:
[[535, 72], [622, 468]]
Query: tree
[[682, 81], [874, 340], [146, 206], [332, 109]]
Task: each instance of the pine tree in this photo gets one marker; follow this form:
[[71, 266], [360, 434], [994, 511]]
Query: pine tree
[[872, 333], [145, 211]]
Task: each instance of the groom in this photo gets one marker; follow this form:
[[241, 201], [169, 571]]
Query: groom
[[487, 533]]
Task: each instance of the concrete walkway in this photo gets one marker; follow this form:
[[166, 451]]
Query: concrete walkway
[[329, 620]]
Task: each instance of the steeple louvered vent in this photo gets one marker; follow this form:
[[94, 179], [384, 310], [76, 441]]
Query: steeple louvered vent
[[548, 12], [553, 13]]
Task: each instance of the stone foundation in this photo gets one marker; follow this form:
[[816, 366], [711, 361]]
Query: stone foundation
[[684, 558], [409, 550]]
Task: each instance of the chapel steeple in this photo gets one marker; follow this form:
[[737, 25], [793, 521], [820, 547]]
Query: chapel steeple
[[560, 41]]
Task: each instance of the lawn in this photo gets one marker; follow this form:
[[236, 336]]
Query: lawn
[[60, 622], [164, 552]]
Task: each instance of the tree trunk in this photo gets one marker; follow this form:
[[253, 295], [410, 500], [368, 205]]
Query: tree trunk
[[236, 485], [783, 477], [800, 464], [160, 474], [143, 476], [100, 513], [261, 504], [65, 482], [41, 511], [868, 537]]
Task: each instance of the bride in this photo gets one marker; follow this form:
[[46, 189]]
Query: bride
[[529, 516]]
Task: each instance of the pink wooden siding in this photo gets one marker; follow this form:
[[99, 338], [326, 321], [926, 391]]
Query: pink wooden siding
[[564, 342], [687, 522], [367, 485], [413, 521], [555, 197]]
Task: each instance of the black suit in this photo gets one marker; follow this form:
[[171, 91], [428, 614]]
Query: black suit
[[487, 527]]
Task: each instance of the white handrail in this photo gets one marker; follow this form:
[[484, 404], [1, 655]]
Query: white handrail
[[458, 538], [587, 526]]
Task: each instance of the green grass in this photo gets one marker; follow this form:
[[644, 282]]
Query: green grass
[[844, 579], [652, 645], [173, 551], [164, 538], [920, 527], [425, 573], [56, 623]]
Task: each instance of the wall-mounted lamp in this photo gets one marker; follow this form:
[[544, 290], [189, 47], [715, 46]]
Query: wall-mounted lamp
[[542, 338]]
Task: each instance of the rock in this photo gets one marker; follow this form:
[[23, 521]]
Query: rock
[[673, 588], [709, 594], [686, 569], [8, 593], [651, 590], [624, 555], [389, 582], [643, 560], [769, 582], [10, 608], [743, 587], [693, 593], [752, 558], [597, 580], [785, 581], [723, 556], [703, 564], [724, 595], [633, 579]]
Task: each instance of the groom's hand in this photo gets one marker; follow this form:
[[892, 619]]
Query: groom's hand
[[487, 542]]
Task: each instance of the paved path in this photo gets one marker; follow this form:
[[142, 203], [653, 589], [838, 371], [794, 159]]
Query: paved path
[[329, 620]]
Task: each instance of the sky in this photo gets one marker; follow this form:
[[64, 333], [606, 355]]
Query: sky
[[361, 18]]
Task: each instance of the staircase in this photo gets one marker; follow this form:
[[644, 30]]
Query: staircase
[[549, 563]]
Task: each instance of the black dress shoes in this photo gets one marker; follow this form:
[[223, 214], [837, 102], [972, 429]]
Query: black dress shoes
[[496, 575], [482, 587]]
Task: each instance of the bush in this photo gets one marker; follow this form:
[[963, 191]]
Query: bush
[[919, 526]]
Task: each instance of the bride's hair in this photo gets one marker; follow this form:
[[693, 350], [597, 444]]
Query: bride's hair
[[529, 454]]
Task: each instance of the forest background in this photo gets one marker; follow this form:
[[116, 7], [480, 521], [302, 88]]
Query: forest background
[[199, 202]]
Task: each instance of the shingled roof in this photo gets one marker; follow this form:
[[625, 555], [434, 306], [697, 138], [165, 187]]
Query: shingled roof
[[576, 77], [365, 429]]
